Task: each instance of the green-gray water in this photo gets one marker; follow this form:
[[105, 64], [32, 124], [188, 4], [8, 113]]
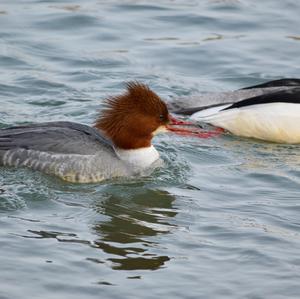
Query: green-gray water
[[220, 220]]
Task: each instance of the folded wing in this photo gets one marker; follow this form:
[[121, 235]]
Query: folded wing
[[55, 137]]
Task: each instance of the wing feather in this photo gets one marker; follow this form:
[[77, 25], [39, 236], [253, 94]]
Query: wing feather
[[57, 137]]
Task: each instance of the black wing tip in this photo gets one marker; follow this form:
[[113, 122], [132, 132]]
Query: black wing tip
[[291, 96], [286, 82]]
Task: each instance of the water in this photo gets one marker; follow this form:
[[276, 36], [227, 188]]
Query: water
[[220, 220]]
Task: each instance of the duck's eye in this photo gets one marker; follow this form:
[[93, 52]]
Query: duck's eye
[[161, 117]]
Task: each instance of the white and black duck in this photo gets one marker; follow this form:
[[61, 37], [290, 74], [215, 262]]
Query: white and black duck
[[268, 111]]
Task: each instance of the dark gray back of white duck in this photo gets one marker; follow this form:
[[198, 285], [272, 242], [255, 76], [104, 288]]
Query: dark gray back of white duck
[[283, 88]]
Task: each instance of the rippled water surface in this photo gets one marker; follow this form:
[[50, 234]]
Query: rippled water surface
[[220, 220]]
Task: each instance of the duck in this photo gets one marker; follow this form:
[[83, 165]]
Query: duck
[[269, 111], [119, 144]]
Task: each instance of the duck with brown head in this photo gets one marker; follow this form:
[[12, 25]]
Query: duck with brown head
[[132, 119], [118, 145]]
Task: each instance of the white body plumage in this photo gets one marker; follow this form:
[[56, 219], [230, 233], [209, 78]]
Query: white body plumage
[[276, 122]]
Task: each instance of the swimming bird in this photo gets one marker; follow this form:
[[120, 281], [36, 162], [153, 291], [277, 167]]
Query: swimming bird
[[118, 145], [268, 111]]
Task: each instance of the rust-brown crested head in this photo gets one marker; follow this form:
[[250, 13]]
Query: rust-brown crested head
[[131, 119]]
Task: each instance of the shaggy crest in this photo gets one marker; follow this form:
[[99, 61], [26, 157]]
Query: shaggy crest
[[130, 119]]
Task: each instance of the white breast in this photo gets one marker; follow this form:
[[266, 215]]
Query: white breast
[[141, 158], [277, 122]]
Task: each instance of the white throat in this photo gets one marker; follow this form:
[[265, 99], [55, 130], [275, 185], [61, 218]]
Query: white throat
[[142, 157]]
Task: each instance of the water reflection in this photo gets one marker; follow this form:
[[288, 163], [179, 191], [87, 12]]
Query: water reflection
[[263, 155], [133, 221]]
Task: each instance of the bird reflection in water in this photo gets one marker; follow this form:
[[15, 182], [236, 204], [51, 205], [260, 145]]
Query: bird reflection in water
[[134, 221]]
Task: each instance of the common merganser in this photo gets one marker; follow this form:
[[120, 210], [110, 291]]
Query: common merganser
[[118, 145], [268, 111]]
